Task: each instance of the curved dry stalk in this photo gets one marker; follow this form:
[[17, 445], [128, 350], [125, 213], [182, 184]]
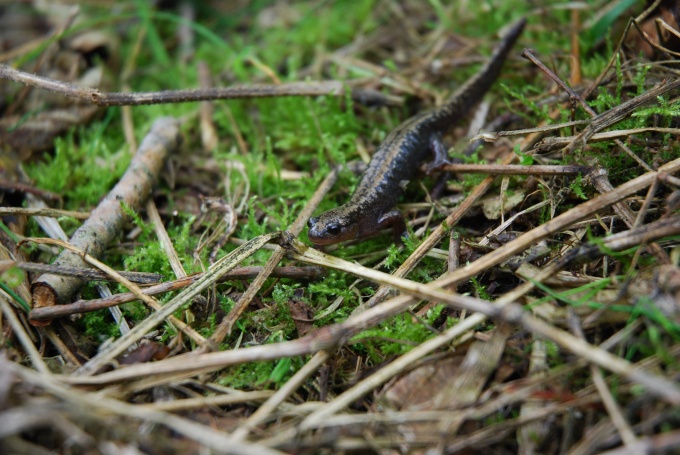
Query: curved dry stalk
[[239, 273]]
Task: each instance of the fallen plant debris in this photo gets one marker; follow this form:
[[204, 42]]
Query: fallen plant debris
[[157, 290]]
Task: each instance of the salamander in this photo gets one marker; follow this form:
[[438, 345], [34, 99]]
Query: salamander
[[396, 161]]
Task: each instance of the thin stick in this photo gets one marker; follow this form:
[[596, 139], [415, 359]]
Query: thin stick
[[81, 272], [188, 404], [553, 142], [94, 96], [11, 187], [48, 212], [515, 169], [239, 273]]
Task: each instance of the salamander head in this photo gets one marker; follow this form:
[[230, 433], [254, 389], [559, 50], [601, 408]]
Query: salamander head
[[331, 227]]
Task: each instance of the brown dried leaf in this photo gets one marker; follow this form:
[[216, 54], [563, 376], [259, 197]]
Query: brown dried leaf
[[151, 350], [303, 316], [668, 12], [417, 388]]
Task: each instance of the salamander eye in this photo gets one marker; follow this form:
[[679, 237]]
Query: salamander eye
[[333, 229], [311, 222]]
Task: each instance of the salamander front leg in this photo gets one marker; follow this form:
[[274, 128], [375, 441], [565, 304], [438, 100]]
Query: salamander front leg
[[394, 219], [441, 157]]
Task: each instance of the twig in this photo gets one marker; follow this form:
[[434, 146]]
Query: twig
[[48, 212], [488, 135], [107, 219], [188, 404], [94, 96], [550, 143], [240, 273], [81, 272], [515, 169]]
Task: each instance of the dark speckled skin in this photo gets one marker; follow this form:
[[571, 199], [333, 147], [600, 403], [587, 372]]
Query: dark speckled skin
[[370, 209]]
